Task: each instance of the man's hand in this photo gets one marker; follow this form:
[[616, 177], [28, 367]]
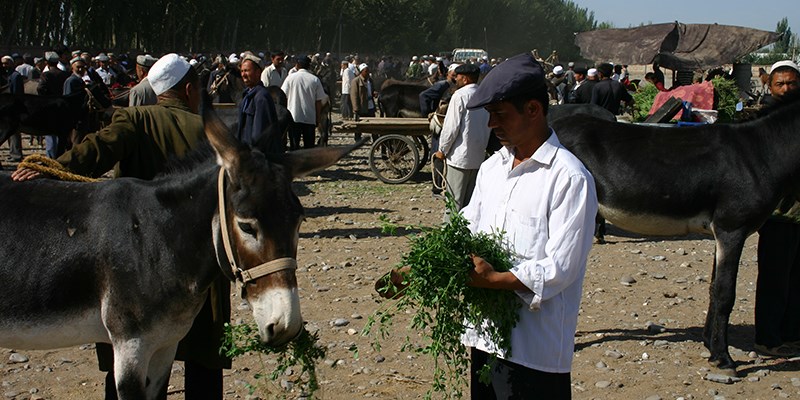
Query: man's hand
[[439, 155], [25, 174], [485, 276]]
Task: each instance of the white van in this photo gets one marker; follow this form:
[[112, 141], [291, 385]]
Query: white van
[[463, 55]]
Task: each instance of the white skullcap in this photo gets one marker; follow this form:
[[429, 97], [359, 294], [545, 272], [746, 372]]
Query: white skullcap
[[233, 59], [453, 66], [146, 60], [414, 58], [784, 63], [102, 57], [362, 66], [193, 62], [167, 72], [438, 58], [592, 72], [6, 58], [51, 56], [570, 64], [558, 70]]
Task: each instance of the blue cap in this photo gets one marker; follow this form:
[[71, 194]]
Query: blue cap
[[515, 76]]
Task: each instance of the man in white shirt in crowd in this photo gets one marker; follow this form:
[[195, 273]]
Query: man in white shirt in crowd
[[275, 73], [464, 136], [304, 93], [347, 76], [544, 200]]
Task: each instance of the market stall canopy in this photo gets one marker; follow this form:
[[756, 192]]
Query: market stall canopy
[[675, 45]]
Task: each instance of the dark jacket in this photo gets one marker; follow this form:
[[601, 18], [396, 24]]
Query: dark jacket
[[608, 93], [52, 82], [74, 84], [583, 94], [16, 84], [430, 97], [258, 121]]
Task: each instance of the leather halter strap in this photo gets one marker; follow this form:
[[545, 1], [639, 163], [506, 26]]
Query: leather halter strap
[[251, 274]]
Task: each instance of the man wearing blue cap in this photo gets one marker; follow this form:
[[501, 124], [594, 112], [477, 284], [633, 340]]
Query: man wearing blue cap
[[544, 200], [464, 136]]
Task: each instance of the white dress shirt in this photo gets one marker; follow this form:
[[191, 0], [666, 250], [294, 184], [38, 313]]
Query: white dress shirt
[[546, 206], [302, 90], [465, 133], [272, 76], [347, 76]]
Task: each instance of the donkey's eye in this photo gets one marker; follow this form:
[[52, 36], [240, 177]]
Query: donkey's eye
[[247, 228]]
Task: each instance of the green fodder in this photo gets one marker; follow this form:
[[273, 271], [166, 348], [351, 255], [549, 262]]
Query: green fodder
[[303, 351], [442, 304]]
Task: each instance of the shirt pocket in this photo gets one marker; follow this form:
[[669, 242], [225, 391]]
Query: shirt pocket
[[527, 234]]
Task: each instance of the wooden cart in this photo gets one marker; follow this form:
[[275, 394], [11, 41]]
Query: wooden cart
[[399, 148]]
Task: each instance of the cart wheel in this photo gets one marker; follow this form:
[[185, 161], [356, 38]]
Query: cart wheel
[[394, 158], [422, 147]]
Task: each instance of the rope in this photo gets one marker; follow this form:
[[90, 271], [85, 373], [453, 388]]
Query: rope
[[442, 174], [45, 165]]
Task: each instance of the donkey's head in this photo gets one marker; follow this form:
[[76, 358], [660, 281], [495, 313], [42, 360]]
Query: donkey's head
[[260, 216]]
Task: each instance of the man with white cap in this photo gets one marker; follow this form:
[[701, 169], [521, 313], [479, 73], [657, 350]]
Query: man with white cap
[[138, 143], [104, 70], [414, 69], [142, 94], [347, 76], [52, 80], [777, 309], [258, 121], [362, 93]]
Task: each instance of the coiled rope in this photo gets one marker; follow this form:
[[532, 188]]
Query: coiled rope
[[45, 165]]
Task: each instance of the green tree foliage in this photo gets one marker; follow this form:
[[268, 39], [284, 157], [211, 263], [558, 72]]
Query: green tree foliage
[[504, 27], [782, 45]]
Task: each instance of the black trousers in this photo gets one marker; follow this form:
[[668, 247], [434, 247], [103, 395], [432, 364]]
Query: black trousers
[[304, 131], [778, 287], [512, 381]]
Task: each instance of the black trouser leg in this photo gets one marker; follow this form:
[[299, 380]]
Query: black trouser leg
[[512, 381], [777, 301], [202, 383]]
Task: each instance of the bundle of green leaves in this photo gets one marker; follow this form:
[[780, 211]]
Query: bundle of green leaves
[[642, 102], [436, 291], [303, 351]]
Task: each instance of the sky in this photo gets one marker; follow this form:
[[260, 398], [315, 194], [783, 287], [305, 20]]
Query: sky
[[758, 14]]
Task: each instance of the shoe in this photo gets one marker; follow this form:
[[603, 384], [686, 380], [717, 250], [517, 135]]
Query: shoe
[[784, 350]]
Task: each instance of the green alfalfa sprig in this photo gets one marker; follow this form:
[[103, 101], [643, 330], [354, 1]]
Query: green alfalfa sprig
[[438, 295], [303, 351]]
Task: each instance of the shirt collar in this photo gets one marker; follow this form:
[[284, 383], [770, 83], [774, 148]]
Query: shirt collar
[[174, 103], [544, 155]]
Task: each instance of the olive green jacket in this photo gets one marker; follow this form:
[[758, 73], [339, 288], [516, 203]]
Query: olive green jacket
[[788, 210], [138, 142]]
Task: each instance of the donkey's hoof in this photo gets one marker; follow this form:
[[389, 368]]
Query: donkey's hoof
[[727, 369]]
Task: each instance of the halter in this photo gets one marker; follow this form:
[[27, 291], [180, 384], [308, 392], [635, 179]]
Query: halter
[[246, 275]]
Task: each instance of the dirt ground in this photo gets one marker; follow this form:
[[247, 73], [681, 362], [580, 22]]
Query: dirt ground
[[618, 355]]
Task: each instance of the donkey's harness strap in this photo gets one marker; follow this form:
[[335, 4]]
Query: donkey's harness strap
[[258, 271]]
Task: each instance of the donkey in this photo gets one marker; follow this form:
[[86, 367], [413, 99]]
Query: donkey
[[720, 179], [130, 262]]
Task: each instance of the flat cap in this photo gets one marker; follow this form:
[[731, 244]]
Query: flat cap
[[252, 58], [468, 69], [517, 75], [102, 57], [146, 60], [167, 72], [76, 59], [580, 69]]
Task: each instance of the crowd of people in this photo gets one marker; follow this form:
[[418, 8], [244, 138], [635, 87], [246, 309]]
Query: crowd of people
[[551, 231]]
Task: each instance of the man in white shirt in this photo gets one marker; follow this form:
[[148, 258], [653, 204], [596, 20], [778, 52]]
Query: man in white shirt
[[544, 200], [304, 93], [464, 136], [347, 77], [275, 73]]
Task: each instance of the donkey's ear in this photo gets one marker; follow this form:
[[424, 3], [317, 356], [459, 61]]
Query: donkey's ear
[[303, 162], [228, 149]]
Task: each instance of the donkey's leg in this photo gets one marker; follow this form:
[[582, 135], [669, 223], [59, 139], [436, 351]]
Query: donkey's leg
[[130, 369], [722, 297], [158, 372]]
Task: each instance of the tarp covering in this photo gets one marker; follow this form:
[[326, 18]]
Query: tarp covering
[[675, 45]]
